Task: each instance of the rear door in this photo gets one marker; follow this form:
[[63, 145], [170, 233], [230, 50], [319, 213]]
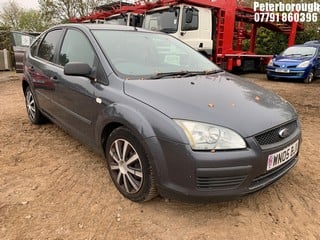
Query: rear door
[[41, 68]]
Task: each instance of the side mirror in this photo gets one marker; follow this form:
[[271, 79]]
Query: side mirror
[[77, 69], [189, 15], [136, 20]]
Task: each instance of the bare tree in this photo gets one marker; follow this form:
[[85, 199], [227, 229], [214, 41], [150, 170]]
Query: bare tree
[[15, 17], [63, 10], [10, 14]]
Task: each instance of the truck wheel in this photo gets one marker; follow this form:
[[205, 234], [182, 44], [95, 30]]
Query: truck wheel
[[310, 77], [33, 111], [129, 166]]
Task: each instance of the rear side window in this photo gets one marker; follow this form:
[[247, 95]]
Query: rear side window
[[49, 44], [76, 48]]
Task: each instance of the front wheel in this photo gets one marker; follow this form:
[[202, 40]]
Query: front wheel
[[270, 78], [33, 111], [310, 77], [129, 166]]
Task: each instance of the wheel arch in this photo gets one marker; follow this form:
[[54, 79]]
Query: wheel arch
[[107, 130], [311, 71], [25, 84], [119, 115], [145, 124]]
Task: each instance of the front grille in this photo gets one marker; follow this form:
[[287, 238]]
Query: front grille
[[290, 74], [272, 136], [219, 183], [278, 66]]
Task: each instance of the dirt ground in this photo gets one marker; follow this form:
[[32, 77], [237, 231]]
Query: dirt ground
[[52, 187]]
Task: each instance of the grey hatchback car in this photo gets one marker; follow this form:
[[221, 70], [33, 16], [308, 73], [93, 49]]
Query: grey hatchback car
[[166, 119]]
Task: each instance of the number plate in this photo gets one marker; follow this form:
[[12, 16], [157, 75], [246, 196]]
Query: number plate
[[279, 158], [282, 70]]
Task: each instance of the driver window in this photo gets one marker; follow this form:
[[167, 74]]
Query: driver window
[[194, 24], [76, 48]]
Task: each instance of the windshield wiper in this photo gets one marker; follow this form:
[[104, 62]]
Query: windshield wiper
[[292, 54], [195, 73], [184, 74]]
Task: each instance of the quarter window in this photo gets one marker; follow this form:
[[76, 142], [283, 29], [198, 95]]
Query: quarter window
[[34, 46], [76, 48], [49, 44]]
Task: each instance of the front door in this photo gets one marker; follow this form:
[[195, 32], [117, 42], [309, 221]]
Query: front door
[[76, 104]]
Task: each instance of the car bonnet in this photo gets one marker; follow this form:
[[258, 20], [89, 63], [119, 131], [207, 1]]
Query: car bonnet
[[290, 61], [221, 99]]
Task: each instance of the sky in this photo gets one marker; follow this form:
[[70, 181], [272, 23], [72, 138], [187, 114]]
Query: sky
[[27, 4]]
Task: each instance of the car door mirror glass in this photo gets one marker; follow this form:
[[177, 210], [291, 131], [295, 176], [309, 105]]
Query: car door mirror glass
[[78, 69]]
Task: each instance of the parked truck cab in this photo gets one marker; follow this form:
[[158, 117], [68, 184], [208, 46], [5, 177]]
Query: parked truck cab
[[128, 19], [190, 24]]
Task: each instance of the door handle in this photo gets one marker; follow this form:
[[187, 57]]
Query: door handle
[[54, 78]]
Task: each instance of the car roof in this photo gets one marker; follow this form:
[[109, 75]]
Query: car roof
[[312, 45], [96, 26], [312, 42], [307, 45]]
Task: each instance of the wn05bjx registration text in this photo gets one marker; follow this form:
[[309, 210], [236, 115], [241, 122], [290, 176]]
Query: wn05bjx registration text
[[279, 158]]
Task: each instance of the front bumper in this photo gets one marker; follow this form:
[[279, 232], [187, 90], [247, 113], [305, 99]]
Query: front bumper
[[223, 175], [288, 73]]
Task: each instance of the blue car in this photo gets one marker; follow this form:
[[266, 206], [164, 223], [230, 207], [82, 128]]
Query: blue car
[[301, 62]]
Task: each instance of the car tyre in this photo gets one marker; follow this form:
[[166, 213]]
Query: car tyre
[[310, 77], [34, 114], [129, 166], [270, 78]]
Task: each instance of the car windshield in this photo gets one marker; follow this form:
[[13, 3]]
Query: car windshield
[[137, 55], [164, 20], [299, 52]]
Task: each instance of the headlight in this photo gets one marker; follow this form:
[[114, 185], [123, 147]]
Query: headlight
[[204, 136], [303, 64], [270, 63]]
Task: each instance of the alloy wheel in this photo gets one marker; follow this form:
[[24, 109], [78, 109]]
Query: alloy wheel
[[31, 105], [125, 166]]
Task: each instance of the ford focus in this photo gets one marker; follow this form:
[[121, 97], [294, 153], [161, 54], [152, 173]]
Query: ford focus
[[166, 119]]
